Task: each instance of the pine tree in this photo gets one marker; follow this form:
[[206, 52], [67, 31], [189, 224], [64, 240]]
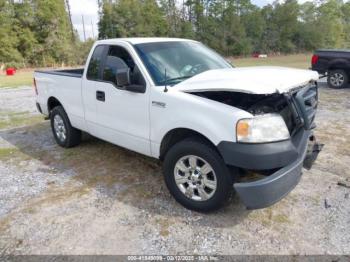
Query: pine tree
[[51, 28], [8, 37], [131, 18]]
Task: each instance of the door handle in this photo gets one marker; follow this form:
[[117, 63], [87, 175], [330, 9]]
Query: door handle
[[100, 96]]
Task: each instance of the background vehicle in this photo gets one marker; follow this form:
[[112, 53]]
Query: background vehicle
[[333, 63], [180, 102]]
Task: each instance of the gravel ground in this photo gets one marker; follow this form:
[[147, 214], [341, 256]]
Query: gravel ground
[[98, 198]]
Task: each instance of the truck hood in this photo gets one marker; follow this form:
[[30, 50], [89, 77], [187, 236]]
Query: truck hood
[[253, 80]]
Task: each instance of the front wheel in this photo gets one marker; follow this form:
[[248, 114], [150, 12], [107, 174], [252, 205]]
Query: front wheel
[[337, 79], [196, 176], [64, 133]]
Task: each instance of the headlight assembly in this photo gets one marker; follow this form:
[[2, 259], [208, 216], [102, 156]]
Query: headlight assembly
[[262, 129]]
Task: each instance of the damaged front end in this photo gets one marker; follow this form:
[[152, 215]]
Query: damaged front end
[[258, 104], [281, 162], [313, 149]]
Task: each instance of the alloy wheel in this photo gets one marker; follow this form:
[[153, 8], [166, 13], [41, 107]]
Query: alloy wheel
[[195, 178]]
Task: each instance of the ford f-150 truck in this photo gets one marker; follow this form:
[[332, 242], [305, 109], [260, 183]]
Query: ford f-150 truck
[[178, 101], [333, 63]]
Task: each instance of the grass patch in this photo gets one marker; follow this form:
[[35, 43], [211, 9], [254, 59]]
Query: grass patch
[[269, 218], [8, 152], [21, 78], [14, 155], [164, 225], [302, 61], [17, 119], [280, 218]]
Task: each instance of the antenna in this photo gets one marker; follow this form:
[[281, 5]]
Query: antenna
[[165, 82]]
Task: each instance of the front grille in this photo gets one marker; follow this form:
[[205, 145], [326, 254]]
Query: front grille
[[306, 103]]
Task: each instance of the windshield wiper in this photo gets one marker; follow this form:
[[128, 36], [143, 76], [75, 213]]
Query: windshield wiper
[[175, 78]]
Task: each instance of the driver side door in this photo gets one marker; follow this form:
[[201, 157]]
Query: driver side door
[[122, 116]]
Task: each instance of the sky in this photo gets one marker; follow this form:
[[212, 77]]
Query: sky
[[89, 9]]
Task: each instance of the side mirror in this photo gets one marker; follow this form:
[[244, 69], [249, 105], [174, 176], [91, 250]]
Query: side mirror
[[136, 88], [123, 77]]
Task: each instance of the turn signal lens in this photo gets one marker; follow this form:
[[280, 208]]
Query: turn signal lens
[[242, 129]]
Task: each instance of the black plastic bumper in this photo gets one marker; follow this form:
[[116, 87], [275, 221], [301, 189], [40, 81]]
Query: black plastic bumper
[[269, 190], [265, 155]]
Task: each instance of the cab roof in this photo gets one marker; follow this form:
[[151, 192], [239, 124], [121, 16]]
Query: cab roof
[[142, 40]]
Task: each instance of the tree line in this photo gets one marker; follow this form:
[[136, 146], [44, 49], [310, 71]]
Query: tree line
[[39, 32], [232, 27]]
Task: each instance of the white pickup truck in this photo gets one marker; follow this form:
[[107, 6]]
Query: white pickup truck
[[178, 101]]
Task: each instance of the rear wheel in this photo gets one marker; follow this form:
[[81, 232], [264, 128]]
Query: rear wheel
[[63, 132], [337, 79], [196, 175]]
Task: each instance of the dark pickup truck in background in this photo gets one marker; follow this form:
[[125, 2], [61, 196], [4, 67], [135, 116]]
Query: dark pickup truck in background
[[333, 63]]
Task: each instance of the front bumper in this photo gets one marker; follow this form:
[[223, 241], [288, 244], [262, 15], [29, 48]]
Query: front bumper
[[289, 156], [269, 190], [265, 155]]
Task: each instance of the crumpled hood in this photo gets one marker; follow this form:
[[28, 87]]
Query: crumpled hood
[[254, 80]]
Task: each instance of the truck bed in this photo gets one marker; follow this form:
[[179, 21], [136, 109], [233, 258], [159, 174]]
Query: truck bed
[[78, 72], [325, 60], [63, 85]]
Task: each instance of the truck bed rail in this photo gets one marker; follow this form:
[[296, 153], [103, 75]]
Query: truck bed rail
[[78, 72]]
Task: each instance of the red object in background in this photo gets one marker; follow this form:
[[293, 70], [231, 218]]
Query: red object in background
[[314, 59], [10, 71], [255, 55]]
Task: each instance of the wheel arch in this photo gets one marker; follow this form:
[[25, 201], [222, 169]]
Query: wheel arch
[[176, 135], [52, 102]]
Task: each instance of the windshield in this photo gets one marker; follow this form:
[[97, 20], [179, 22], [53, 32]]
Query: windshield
[[181, 60]]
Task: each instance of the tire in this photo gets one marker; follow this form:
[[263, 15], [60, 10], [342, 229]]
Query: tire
[[205, 153], [63, 132], [337, 79]]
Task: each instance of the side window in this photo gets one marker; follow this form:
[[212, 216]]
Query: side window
[[111, 66], [119, 58], [94, 65]]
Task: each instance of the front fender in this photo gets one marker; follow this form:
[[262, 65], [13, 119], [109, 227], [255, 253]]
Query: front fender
[[214, 120]]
